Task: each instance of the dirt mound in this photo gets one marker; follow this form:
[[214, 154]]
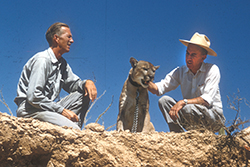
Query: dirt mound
[[29, 142]]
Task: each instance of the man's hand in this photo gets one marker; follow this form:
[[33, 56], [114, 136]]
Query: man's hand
[[175, 109], [70, 115], [153, 88], [90, 90]]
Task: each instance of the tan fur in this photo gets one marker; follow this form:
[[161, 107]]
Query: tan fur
[[141, 73]]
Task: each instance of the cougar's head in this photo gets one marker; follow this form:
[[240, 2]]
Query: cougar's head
[[142, 72]]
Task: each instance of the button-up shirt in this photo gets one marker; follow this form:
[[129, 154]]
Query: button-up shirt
[[41, 81], [205, 83]]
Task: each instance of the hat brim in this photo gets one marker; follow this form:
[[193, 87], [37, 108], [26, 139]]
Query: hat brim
[[209, 50]]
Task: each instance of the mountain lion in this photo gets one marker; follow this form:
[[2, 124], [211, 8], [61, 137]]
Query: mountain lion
[[134, 103]]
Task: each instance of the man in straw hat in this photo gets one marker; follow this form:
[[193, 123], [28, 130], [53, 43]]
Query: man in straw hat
[[201, 106]]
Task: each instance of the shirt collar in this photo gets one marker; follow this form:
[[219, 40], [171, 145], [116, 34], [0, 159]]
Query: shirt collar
[[186, 69], [52, 56], [202, 68]]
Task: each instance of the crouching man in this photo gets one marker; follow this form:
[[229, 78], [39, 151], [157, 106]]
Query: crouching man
[[43, 77], [201, 106]]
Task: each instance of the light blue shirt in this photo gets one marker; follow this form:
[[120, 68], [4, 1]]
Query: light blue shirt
[[41, 81], [205, 83]]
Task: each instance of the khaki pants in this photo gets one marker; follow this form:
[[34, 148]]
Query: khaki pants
[[192, 116]]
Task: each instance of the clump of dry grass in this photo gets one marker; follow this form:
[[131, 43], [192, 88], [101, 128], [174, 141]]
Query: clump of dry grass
[[3, 101]]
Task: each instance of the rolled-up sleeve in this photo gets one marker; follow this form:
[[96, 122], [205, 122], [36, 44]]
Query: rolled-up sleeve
[[71, 81], [170, 82]]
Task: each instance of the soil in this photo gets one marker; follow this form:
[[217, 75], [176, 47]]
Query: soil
[[29, 142]]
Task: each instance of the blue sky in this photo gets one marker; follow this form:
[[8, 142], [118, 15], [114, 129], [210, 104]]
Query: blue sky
[[107, 33]]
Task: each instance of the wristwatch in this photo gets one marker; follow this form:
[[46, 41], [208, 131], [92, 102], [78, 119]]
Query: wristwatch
[[186, 101]]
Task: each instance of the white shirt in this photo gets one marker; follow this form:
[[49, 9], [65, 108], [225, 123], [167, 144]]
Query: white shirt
[[205, 83]]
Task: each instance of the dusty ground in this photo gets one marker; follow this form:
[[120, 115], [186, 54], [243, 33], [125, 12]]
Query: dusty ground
[[29, 142]]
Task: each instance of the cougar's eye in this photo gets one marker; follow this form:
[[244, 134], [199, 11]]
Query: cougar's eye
[[145, 69]]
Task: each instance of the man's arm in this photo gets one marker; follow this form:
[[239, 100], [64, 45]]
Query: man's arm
[[73, 83], [197, 100], [153, 88], [90, 89], [180, 104]]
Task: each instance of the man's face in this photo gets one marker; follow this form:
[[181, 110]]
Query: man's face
[[194, 57], [65, 40]]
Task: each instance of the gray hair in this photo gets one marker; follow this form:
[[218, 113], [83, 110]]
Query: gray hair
[[54, 29]]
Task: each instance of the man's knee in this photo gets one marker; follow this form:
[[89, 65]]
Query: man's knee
[[165, 100], [165, 104]]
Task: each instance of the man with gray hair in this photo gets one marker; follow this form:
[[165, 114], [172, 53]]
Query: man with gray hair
[[201, 106], [43, 77]]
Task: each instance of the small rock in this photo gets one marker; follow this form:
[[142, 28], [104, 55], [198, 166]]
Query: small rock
[[95, 127]]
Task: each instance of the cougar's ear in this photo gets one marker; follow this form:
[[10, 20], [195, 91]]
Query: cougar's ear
[[133, 62], [156, 67]]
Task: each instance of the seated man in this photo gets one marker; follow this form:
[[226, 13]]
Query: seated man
[[41, 81], [201, 106]]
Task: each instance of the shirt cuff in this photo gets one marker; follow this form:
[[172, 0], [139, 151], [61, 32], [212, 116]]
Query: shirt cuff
[[60, 110], [82, 85], [160, 88], [208, 99]]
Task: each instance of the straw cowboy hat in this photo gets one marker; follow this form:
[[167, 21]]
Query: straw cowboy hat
[[200, 40]]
